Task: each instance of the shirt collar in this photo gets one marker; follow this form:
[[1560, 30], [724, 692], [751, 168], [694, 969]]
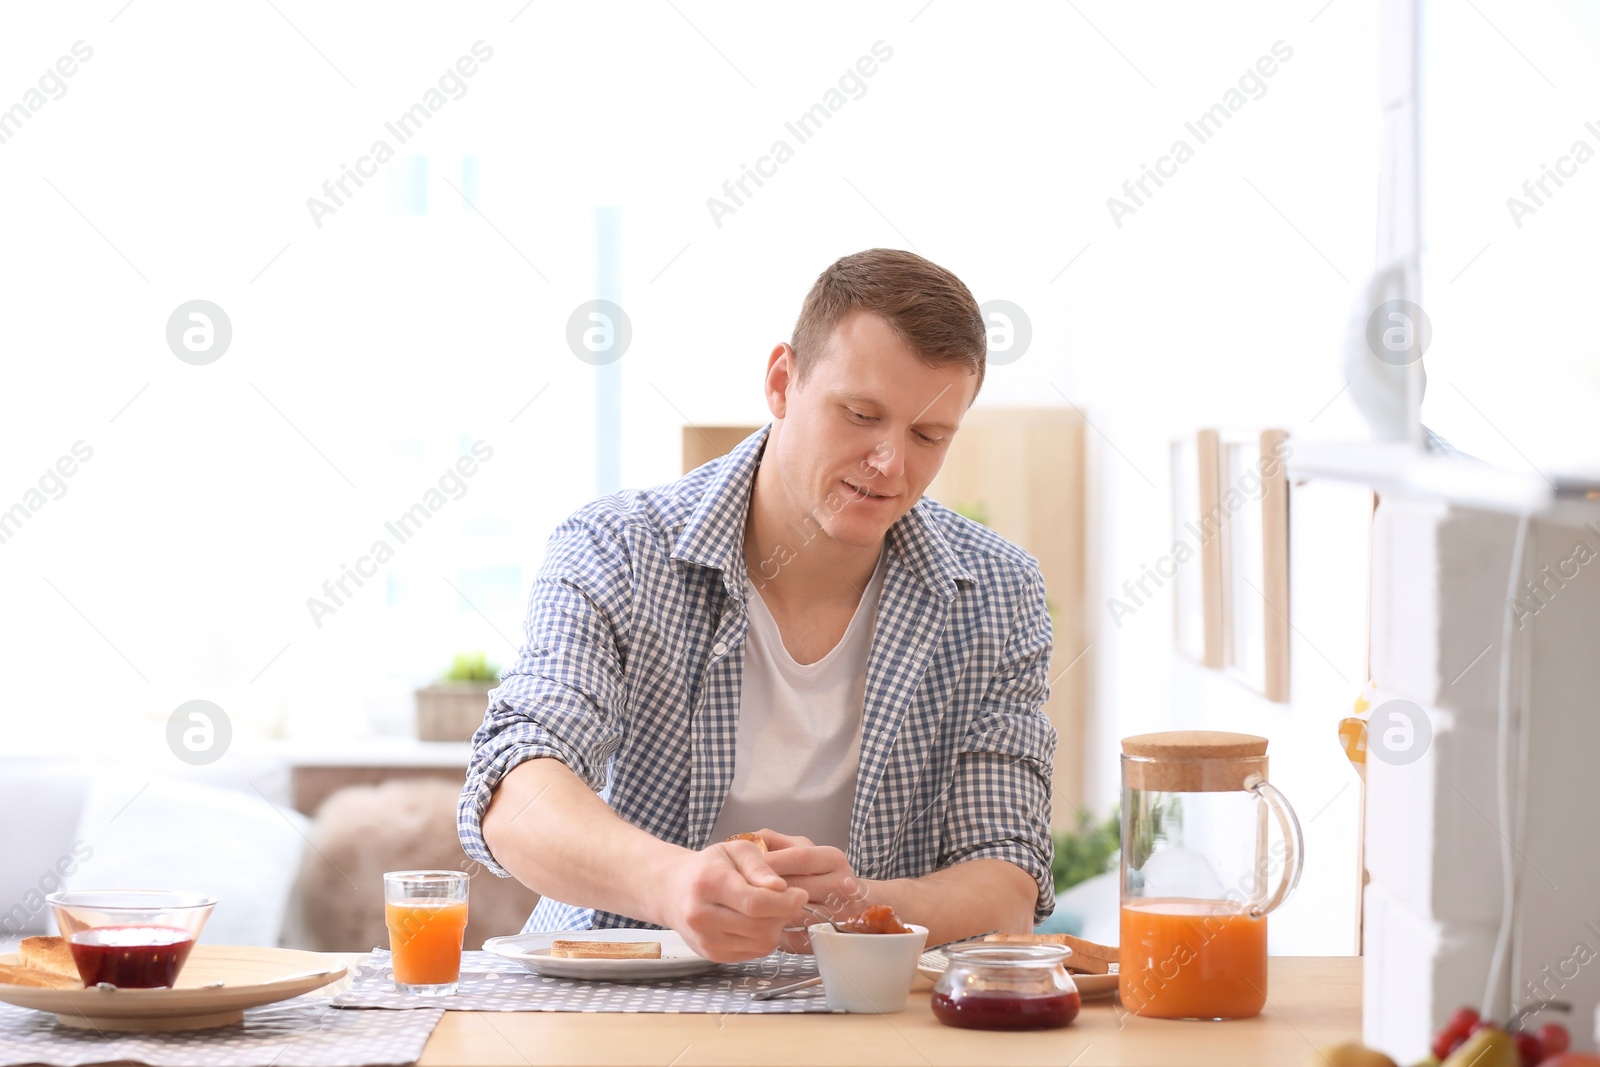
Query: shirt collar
[[713, 534]]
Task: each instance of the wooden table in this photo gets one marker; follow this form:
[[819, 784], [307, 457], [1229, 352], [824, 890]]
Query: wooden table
[[1311, 1002]]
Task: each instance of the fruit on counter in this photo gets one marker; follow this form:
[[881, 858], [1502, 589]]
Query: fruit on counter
[[1471, 1041], [1488, 1047], [1532, 1050], [1449, 1039], [1462, 1024], [1349, 1054], [1554, 1038]]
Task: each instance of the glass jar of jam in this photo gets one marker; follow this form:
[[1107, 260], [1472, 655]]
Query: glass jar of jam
[[1006, 987]]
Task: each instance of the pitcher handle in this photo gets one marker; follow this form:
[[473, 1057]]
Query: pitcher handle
[[1294, 842]]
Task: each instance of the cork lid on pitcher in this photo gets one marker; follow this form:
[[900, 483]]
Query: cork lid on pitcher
[[1192, 761]]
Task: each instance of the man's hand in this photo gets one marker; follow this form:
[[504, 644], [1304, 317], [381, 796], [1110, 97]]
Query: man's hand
[[957, 901], [728, 903], [823, 872]]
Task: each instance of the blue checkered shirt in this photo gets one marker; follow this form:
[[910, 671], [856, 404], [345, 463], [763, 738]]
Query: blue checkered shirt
[[631, 670]]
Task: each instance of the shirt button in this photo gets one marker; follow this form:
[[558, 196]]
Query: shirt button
[[719, 649]]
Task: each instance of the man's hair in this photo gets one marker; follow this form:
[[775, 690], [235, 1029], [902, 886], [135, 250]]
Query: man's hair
[[927, 307]]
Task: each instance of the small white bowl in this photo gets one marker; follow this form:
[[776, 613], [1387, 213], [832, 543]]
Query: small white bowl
[[867, 972]]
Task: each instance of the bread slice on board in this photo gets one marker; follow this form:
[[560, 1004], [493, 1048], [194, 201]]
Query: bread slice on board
[[48, 954], [606, 950], [1087, 956], [37, 977]]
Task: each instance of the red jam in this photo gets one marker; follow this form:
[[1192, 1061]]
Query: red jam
[[131, 957], [878, 919], [1007, 1011]]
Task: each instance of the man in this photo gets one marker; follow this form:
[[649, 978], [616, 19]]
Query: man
[[787, 640]]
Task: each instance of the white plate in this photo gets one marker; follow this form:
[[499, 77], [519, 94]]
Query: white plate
[[533, 952], [214, 988]]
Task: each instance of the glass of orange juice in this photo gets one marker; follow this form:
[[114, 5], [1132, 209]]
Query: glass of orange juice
[[426, 912], [1200, 872]]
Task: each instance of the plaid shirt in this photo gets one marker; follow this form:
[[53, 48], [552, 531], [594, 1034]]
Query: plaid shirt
[[631, 671]]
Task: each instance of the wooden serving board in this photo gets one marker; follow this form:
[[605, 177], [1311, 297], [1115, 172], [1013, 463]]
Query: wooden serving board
[[214, 988]]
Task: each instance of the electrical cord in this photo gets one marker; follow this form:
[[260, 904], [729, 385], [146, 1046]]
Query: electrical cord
[[1503, 772]]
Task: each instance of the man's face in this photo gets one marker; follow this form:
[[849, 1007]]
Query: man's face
[[858, 442]]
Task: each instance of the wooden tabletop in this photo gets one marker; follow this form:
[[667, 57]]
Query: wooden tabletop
[[1311, 1002]]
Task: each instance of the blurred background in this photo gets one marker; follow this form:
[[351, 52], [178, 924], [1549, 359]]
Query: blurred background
[[382, 331]]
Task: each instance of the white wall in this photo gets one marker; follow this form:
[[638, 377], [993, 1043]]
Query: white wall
[[369, 351], [1510, 92], [1436, 834]]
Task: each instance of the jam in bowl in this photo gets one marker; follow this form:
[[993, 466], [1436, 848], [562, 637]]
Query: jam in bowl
[[878, 919], [1006, 987], [138, 939]]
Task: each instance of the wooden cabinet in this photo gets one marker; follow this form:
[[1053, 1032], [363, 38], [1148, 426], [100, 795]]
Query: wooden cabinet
[[1021, 471]]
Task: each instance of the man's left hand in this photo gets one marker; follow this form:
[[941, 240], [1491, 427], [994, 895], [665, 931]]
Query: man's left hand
[[823, 872]]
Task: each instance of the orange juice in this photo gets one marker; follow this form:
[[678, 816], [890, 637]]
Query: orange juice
[[1192, 959], [425, 938]]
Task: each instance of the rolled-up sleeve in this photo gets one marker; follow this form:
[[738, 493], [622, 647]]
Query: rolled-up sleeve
[[1000, 799], [563, 697]]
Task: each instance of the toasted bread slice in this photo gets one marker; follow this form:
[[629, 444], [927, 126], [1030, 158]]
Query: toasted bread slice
[[48, 954], [37, 977], [1087, 956], [606, 950], [754, 839]]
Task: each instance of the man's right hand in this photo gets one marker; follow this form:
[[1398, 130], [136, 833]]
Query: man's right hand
[[728, 904]]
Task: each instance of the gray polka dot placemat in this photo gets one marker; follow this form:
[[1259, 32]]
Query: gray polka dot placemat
[[493, 983], [306, 1032]]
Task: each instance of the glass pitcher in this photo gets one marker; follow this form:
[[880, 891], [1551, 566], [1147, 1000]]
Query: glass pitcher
[[1199, 874]]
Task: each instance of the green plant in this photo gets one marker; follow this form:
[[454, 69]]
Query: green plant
[[1085, 852], [472, 667], [978, 512], [1154, 821]]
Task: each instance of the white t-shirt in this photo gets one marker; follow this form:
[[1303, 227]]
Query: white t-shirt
[[799, 741]]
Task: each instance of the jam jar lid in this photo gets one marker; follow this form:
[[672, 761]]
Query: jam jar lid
[[1009, 957]]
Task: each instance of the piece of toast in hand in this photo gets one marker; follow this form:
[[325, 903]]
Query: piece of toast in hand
[[1087, 956], [753, 838], [48, 954], [37, 977], [606, 950]]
